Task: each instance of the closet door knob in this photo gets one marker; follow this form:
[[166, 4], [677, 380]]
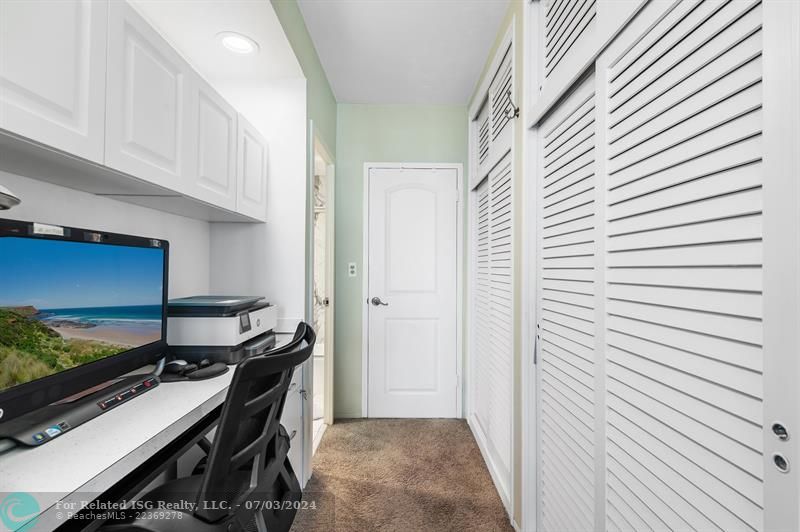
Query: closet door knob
[[781, 462], [377, 301], [780, 431]]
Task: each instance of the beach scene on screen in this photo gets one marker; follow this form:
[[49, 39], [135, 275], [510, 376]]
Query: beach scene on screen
[[65, 304]]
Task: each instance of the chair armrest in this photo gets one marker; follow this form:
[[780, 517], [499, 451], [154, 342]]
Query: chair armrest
[[205, 444]]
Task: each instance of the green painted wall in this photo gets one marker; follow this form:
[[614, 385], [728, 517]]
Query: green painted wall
[[376, 133], [321, 101]]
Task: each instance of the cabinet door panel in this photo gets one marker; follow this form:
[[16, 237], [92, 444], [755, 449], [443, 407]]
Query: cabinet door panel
[[148, 109], [215, 133], [52, 73], [252, 172]]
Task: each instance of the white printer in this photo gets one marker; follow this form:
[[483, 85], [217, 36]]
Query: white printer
[[220, 328]]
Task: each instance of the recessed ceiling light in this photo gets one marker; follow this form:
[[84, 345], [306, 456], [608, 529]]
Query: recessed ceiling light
[[237, 43]]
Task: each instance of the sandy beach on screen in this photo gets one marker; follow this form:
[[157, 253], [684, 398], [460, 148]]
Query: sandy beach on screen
[[111, 335]]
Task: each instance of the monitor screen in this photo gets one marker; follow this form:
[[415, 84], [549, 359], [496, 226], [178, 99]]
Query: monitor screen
[[64, 304]]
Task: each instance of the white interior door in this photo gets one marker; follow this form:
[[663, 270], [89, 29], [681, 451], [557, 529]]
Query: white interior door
[[412, 266]]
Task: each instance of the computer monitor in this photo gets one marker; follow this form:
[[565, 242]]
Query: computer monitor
[[77, 308]]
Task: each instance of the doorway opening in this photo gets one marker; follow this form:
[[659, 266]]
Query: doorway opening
[[322, 363]]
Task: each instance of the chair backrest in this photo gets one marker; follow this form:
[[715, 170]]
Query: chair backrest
[[243, 457]]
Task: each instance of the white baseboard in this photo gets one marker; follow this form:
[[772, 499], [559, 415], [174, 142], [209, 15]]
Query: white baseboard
[[502, 490], [318, 438]]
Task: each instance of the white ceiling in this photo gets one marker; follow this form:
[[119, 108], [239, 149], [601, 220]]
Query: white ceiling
[[254, 84], [191, 26], [403, 51]]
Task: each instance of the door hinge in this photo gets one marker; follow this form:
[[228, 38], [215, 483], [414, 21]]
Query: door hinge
[[536, 345]]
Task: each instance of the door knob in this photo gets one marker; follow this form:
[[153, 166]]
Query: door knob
[[377, 301], [781, 462], [780, 431]]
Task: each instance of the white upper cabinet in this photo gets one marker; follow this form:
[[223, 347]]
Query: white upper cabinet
[[52, 73], [94, 79], [252, 172], [214, 136], [148, 108]]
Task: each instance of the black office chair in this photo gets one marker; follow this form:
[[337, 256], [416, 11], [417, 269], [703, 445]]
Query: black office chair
[[247, 483]]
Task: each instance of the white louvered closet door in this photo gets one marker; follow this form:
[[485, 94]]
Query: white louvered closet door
[[492, 351], [492, 303], [684, 278], [566, 257], [501, 108], [501, 314], [482, 313], [668, 226]]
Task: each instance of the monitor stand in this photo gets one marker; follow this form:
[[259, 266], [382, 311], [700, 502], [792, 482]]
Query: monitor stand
[[47, 423]]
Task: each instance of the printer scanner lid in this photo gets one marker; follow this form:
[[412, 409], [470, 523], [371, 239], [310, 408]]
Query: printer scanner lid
[[214, 306]]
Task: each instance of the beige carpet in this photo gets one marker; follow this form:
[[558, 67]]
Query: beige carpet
[[400, 475]]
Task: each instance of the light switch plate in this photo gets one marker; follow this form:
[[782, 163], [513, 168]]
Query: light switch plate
[[351, 269]]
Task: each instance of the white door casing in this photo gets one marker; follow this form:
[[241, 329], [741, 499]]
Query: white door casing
[[330, 279], [412, 262]]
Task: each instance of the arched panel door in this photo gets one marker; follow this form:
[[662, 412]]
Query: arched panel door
[[412, 357]]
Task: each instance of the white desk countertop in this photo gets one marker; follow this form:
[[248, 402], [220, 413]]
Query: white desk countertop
[[89, 459]]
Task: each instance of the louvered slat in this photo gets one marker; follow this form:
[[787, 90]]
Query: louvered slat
[[567, 262], [684, 278], [483, 135], [565, 22], [501, 94]]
